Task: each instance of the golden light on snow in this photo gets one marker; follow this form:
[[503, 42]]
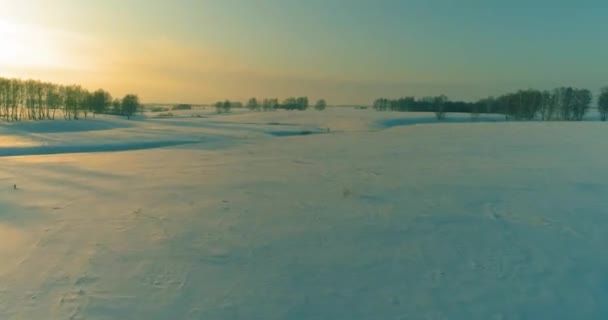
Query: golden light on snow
[[13, 241], [14, 141]]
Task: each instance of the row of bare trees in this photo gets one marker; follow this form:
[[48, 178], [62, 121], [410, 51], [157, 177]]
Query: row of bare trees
[[254, 104], [37, 100], [291, 103], [565, 103]]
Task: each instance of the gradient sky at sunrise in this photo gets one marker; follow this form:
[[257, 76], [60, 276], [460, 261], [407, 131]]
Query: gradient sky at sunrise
[[347, 51]]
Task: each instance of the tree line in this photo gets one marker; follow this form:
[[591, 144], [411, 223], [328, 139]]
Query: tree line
[[37, 100], [254, 104], [565, 103]]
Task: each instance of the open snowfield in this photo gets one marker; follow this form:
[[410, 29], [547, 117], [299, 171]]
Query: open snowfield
[[230, 217]]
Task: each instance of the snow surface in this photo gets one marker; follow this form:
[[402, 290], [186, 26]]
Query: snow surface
[[220, 217]]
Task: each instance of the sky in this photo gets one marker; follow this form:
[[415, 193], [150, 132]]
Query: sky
[[346, 51]]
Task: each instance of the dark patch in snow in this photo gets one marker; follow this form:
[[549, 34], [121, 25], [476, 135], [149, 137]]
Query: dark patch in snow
[[128, 146], [293, 133], [59, 126], [410, 121]]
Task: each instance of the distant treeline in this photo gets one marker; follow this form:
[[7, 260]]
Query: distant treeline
[[37, 100], [253, 104], [565, 103]]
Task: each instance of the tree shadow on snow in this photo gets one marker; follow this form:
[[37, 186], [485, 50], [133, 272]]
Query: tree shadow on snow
[[410, 121], [62, 126]]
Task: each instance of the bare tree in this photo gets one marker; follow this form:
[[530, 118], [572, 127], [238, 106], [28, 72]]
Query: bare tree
[[219, 106], [100, 101], [37, 100], [129, 105], [582, 103], [439, 106], [226, 106], [302, 103], [602, 104], [270, 104], [253, 104], [53, 100], [321, 105]]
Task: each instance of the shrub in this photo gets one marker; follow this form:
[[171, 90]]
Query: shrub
[[158, 109], [182, 107], [223, 107]]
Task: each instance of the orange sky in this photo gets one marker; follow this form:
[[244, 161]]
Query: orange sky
[[344, 51]]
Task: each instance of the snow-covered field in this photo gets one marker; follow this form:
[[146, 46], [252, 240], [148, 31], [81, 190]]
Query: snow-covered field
[[230, 217]]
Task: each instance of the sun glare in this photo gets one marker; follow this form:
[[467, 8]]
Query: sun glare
[[24, 46]]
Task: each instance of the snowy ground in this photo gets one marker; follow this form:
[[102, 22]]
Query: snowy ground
[[227, 217]]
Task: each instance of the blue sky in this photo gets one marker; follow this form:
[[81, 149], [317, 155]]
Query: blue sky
[[346, 51]]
